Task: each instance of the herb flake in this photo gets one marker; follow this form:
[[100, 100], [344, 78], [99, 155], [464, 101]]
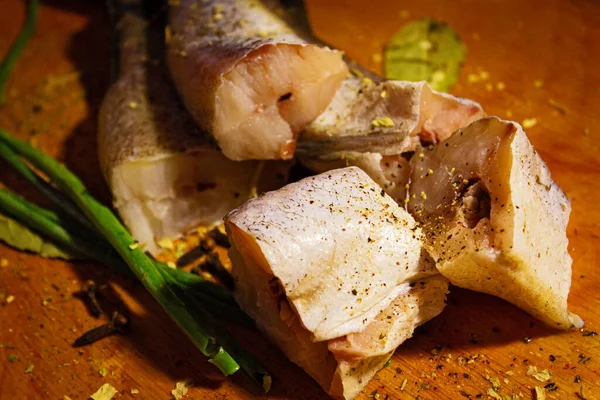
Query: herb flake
[[105, 392]]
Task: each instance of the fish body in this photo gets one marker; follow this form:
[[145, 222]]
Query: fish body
[[322, 263], [370, 125], [495, 219], [165, 174], [247, 77]]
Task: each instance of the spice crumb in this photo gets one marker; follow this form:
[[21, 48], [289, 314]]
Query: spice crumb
[[529, 123]]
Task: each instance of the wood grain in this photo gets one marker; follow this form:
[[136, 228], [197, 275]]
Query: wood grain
[[53, 99]]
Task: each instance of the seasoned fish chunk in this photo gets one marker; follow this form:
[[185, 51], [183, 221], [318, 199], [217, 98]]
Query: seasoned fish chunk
[[335, 273], [165, 175], [246, 77], [495, 220], [371, 125]]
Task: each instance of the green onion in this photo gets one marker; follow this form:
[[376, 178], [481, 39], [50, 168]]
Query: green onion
[[157, 281], [18, 45]]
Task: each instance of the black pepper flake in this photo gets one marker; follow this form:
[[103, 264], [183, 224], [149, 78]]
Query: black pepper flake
[[467, 376], [354, 292], [465, 394], [585, 332], [552, 358], [527, 340], [577, 379]]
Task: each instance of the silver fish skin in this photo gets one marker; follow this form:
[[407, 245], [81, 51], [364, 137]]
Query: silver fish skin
[[247, 77], [372, 125], [166, 175]]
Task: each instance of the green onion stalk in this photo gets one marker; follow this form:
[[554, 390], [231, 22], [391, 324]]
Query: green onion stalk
[[189, 314], [18, 45]]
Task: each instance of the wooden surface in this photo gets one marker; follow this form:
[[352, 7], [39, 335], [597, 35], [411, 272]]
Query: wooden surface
[[53, 99]]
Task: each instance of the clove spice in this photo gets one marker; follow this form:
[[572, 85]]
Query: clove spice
[[89, 293], [117, 324]]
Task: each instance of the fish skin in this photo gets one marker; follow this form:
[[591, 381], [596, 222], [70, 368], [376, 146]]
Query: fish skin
[[417, 112], [203, 49], [288, 272], [152, 154], [344, 134], [497, 222]]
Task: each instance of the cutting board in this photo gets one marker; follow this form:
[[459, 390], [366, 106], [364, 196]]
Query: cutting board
[[526, 59]]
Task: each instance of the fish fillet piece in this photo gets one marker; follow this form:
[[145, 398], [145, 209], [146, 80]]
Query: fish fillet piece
[[165, 175], [370, 125], [494, 218], [246, 77], [345, 239], [323, 264]]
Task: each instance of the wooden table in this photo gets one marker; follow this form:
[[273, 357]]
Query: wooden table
[[53, 98]]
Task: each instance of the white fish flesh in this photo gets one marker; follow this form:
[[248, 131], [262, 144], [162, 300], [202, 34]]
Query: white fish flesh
[[321, 263], [495, 220]]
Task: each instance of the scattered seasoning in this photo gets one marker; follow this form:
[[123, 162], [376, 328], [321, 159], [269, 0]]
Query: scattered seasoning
[[194, 254], [583, 359], [551, 358], [6, 346], [166, 244], [29, 369], [181, 389], [105, 392], [529, 123], [494, 381], [103, 372], [117, 324], [219, 237], [581, 394], [374, 395], [542, 376], [492, 393], [585, 332], [424, 386], [12, 357], [527, 340], [404, 382], [577, 379], [387, 363], [383, 122], [540, 393], [46, 300], [89, 290], [557, 106]]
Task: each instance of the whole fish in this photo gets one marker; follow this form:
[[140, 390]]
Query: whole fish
[[335, 273], [166, 175], [494, 218], [247, 77]]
